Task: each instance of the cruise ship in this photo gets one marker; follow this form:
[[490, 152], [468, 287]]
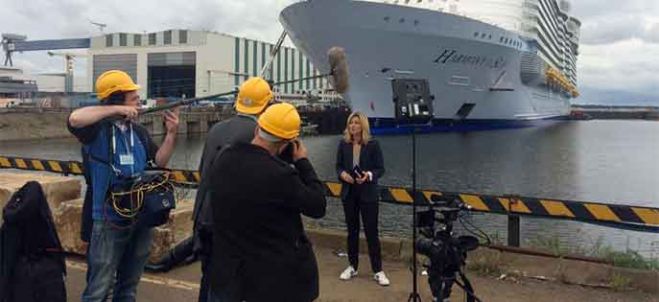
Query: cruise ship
[[489, 63]]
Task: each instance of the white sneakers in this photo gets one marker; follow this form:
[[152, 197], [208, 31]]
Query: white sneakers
[[350, 272], [381, 278]]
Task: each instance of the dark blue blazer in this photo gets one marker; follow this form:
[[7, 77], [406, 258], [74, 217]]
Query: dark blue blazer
[[370, 159]]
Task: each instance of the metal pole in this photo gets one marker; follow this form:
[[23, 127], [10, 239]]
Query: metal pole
[[513, 230], [414, 296], [273, 54], [68, 77]]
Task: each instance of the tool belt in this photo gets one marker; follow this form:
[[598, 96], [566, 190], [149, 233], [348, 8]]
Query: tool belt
[[146, 200]]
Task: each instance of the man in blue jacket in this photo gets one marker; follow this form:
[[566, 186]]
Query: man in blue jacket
[[116, 149]]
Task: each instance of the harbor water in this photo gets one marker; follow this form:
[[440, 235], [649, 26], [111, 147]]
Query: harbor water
[[601, 161]]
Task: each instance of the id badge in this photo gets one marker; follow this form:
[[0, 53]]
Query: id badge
[[126, 159]]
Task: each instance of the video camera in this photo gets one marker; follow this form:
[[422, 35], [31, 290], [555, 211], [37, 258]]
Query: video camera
[[447, 253]]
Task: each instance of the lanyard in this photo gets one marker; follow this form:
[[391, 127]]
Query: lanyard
[[114, 139], [129, 149]]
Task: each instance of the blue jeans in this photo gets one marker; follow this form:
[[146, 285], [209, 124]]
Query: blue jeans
[[116, 256]]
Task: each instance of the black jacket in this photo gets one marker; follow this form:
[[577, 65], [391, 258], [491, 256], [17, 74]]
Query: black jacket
[[32, 265], [260, 250], [238, 129], [370, 159]]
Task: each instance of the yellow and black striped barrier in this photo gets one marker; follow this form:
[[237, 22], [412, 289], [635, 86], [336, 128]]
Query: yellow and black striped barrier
[[615, 215], [32, 164]]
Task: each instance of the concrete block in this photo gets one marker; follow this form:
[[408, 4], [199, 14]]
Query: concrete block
[[67, 222], [180, 221], [56, 188], [174, 231], [163, 240]]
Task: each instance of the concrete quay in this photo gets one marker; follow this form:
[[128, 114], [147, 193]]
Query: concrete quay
[[182, 284], [497, 275]]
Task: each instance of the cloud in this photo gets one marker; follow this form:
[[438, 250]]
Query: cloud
[[588, 9], [652, 33], [629, 65], [591, 95], [619, 48], [604, 24], [48, 19], [605, 30]]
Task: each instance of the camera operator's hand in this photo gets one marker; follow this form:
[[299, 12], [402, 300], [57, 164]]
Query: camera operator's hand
[[299, 150], [347, 178], [129, 112], [361, 178]]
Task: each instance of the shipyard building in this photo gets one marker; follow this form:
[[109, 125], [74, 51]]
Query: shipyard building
[[186, 63]]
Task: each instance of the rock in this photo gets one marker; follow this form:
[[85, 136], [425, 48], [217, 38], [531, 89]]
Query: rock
[[56, 188], [67, 222], [163, 240], [174, 231], [181, 220]]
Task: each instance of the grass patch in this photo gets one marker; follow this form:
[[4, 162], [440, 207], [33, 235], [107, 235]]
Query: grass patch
[[627, 259], [551, 244], [619, 282], [486, 264]]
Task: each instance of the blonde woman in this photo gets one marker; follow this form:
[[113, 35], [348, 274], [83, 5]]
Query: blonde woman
[[359, 165]]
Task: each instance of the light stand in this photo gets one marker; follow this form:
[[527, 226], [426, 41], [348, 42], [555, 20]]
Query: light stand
[[413, 105], [414, 295]]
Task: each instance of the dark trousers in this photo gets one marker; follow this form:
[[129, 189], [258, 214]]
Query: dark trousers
[[205, 255], [204, 287], [353, 206]]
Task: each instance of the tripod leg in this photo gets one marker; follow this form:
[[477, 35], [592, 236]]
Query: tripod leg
[[414, 297], [445, 291], [469, 290]]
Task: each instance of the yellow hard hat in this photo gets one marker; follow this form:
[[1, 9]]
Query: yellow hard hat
[[281, 120], [253, 96], [112, 81]]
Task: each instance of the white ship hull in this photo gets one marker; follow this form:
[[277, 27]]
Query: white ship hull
[[384, 41]]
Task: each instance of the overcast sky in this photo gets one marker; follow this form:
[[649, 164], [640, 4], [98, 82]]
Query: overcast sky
[[619, 59]]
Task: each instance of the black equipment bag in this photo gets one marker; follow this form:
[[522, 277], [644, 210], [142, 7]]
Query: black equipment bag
[[158, 201], [146, 200], [32, 267], [38, 279]]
